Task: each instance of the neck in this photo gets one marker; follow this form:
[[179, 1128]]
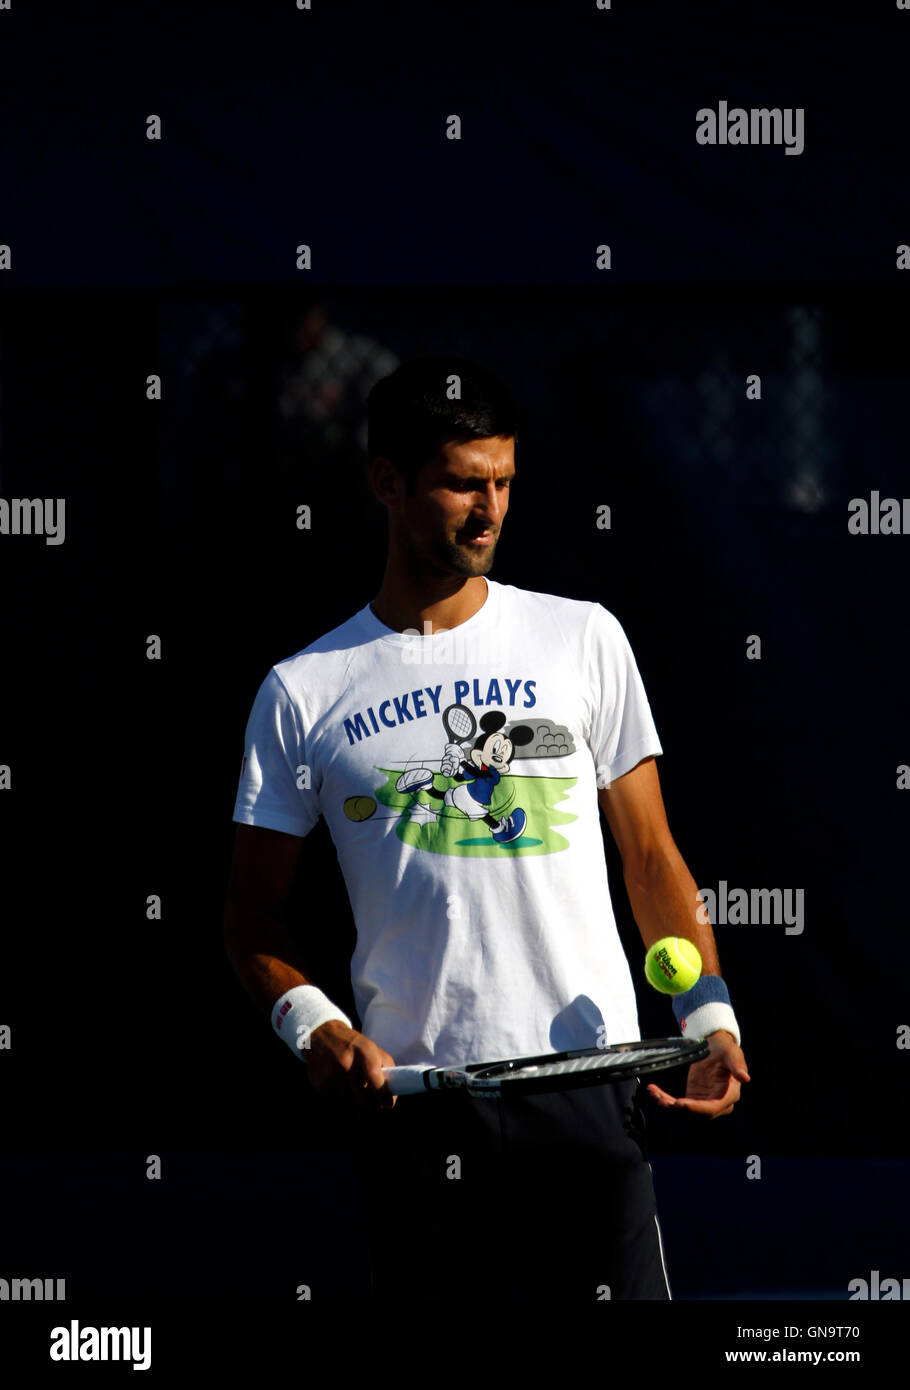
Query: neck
[[430, 607]]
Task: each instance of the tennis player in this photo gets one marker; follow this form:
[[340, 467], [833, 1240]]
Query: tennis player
[[476, 873]]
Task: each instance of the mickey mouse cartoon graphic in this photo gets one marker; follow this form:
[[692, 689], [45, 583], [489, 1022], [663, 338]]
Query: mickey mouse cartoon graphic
[[477, 775]]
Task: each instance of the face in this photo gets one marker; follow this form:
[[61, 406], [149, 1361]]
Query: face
[[453, 521], [496, 751]]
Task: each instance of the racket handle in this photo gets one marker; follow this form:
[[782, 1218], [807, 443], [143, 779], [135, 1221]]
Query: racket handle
[[406, 1081]]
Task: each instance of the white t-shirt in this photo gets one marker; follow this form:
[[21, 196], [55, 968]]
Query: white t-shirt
[[476, 871]]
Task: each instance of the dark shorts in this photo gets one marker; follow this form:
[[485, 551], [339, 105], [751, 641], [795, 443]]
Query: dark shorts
[[531, 1197]]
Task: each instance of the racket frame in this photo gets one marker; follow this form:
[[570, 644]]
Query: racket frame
[[460, 739], [487, 1079]]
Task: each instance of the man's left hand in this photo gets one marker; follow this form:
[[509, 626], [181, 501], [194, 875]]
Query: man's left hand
[[713, 1085]]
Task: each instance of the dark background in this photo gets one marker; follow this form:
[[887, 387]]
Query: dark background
[[729, 518]]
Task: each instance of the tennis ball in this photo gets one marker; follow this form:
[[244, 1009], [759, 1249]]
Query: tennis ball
[[359, 807], [672, 965]]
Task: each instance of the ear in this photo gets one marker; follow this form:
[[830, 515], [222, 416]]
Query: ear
[[492, 720], [521, 735]]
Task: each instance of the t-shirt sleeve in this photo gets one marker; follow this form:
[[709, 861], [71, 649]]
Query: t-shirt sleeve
[[274, 749], [621, 730]]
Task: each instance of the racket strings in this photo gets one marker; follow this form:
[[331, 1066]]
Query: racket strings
[[459, 723], [600, 1061]]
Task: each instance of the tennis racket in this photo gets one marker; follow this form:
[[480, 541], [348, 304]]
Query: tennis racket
[[459, 723], [551, 1071]]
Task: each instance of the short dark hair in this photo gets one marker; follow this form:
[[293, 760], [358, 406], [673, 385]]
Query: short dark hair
[[411, 415]]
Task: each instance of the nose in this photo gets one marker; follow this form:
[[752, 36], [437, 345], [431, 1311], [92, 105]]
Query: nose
[[490, 507]]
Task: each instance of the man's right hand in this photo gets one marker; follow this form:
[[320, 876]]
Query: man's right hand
[[340, 1061]]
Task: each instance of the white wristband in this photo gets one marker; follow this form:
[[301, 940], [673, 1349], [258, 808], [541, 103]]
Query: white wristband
[[299, 1012], [708, 1018], [704, 1008]]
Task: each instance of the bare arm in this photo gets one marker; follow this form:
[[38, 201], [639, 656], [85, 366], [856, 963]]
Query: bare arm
[[268, 964], [662, 892], [664, 899], [262, 872]]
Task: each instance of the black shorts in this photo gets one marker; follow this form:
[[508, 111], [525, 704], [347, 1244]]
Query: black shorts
[[530, 1197]]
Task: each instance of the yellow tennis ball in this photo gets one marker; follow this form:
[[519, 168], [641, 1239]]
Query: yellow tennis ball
[[359, 807], [672, 965]]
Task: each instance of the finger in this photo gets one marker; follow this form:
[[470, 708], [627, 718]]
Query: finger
[[738, 1068], [370, 1097], [374, 1084], [386, 1098], [703, 1106], [719, 1105], [712, 1108], [727, 1097], [359, 1083], [385, 1060], [661, 1096]]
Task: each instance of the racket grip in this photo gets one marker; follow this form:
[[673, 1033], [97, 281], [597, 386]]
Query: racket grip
[[406, 1081]]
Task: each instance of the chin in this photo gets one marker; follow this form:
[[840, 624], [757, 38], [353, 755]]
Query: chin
[[476, 564], [460, 559]]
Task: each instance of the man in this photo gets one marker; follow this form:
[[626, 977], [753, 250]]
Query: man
[[475, 867]]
